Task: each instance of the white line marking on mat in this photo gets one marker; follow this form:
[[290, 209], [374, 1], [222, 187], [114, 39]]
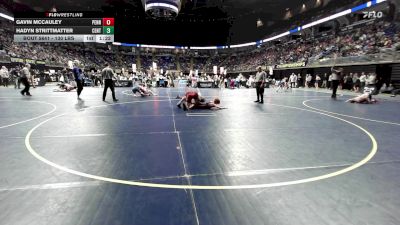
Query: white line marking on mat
[[371, 154], [355, 117], [184, 163], [201, 114], [34, 118]]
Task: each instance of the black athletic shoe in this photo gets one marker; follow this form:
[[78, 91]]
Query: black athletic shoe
[[257, 101], [116, 100], [185, 108], [22, 93], [262, 102], [179, 106], [28, 95]]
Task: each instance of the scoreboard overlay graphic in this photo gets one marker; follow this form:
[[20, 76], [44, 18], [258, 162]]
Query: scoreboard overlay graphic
[[63, 27]]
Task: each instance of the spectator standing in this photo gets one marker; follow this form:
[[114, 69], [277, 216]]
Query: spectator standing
[[324, 81], [64, 74], [357, 83], [25, 78], [317, 81], [4, 75], [329, 84], [349, 82], [293, 80], [299, 80], [363, 79], [378, 84], [371, 80], [260, 80], [15, 73], [308, 80], [226, 82]]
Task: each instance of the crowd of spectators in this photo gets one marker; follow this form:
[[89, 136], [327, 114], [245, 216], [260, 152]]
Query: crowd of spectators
[[369, 39]]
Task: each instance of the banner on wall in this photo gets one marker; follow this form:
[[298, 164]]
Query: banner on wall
[[18, 60], [291, 65], [221, 70], [30, 61], [134, 68], [205, 84]]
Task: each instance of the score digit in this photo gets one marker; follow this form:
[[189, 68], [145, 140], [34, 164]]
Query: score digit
[[108, 30], [108, 21]]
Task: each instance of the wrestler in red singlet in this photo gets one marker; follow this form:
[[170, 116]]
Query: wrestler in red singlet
[[191, 95]]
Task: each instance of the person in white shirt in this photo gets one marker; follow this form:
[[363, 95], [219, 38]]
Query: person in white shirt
[[365, 98], [329, 85], [4, 75], [250, 81], [308, 80], [317, 81], [371, 80], [194, 82], [64, 87], [142, 90], [293, 79], [170, 81], [237, 81]]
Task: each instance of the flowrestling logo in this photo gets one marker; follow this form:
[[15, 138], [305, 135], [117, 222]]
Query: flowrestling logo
[[372, 15]]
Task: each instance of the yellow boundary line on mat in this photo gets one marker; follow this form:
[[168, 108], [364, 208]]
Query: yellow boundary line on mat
[[371, 154]]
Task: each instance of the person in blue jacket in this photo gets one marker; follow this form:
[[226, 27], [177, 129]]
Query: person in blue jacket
[[78, 78]]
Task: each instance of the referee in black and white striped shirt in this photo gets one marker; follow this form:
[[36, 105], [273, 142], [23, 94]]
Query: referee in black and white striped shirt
[[107, 75]]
